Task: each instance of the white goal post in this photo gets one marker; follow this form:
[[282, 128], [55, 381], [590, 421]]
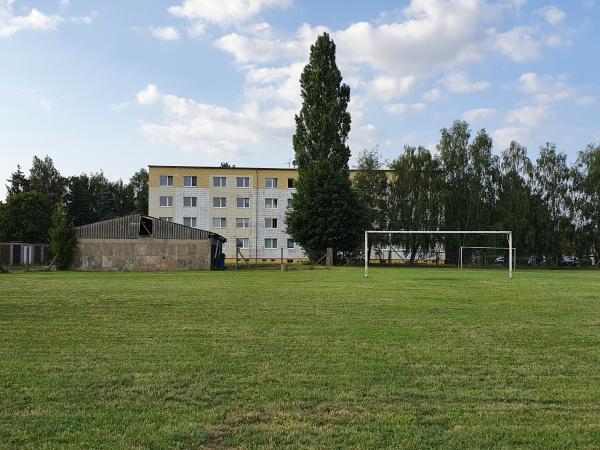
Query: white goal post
[[508, 234]]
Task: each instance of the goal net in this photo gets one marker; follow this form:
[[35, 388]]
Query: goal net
[[390, 233]]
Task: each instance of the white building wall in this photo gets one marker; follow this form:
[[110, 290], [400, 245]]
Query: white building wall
[[200, 212], [256, 213], [280, 233]]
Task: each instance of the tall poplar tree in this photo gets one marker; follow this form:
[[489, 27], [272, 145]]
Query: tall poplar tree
[[324, 211]]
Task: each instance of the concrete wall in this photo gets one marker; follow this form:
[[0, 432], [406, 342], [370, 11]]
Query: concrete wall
[[141, 255]]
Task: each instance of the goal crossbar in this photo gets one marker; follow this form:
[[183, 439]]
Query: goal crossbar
[[508, 234]]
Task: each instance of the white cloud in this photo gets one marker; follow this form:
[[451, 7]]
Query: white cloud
[[401, 108], [213, 129], [503, 136], [387, 88], [459, 83], [148, 96], [429, 35], [550, 89], [248, 49], [474, 115], [196, 30], [277, 85], [530, 116], [433, 95], [552, 14], [63, 4], [382, 61], [224, 12], [519, 44], [34, 20], [165, 33]]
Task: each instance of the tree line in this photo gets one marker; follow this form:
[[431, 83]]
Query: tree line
[[551, 207], [32, 200]]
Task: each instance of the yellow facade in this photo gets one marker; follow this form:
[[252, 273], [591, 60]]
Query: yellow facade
[[206, 174]]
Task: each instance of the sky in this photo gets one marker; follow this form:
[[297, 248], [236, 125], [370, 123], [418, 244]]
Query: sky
[[116, 85]]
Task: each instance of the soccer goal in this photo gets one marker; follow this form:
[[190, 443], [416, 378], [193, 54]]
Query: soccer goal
[[508, 234]]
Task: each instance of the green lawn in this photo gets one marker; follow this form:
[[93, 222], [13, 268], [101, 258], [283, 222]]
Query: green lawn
[[410, 358]]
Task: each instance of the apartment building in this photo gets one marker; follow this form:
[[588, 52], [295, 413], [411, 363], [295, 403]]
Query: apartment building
[[245, 205]]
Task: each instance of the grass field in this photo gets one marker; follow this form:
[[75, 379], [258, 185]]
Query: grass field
[[410, 358]]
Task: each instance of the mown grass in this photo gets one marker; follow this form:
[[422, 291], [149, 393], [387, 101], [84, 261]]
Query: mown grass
[[410, 358]]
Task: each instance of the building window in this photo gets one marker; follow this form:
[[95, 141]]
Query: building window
[[190, 202], [271, 223], [219, 181], [242, 243], [219, 202], [242, 223], [242, 182], [189, 222], [166, 180], [290, 244], [189, 181], [166, 201], [291, 183], [243, 202], [219, 222], [166, 219], [270, 243], [270, 182], [271, 203], [289, 202]]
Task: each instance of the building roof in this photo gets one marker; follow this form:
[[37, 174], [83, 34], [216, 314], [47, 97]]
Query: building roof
[[219, 167], [290, 169], [137, 226]]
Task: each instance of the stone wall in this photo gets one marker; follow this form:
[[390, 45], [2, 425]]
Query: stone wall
[[141, 255]]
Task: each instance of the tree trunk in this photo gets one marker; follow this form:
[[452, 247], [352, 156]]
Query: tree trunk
[[413, 254]]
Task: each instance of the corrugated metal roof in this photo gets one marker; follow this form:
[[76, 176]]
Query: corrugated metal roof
[[135, 226]]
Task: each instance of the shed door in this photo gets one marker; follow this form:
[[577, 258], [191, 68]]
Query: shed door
[[16, 255]]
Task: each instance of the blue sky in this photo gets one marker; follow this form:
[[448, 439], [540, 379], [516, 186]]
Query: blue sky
[[118, 85]]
